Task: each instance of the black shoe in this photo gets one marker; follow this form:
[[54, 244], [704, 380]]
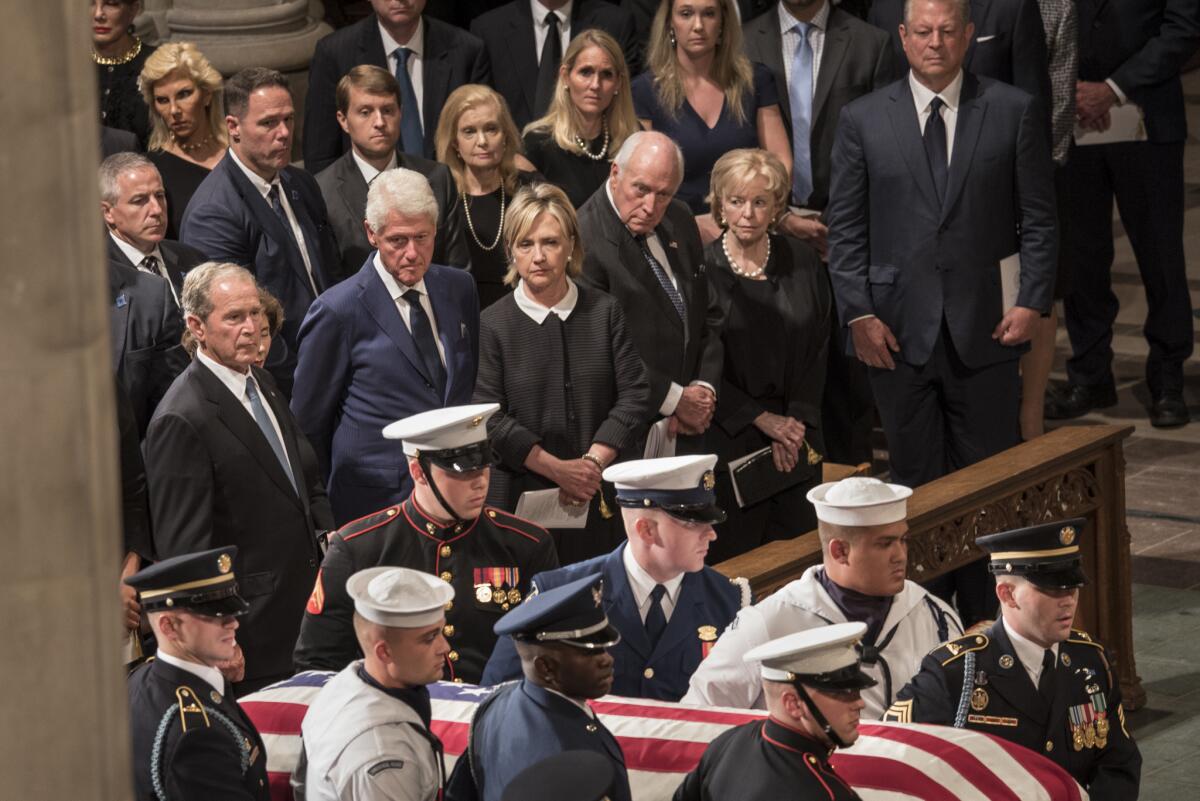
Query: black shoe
[[1079, 399], [1169, 411]]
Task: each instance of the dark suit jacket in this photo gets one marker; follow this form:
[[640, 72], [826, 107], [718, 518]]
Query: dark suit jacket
[[897, 254], [452, 58], [146, 329], [135, 505], [1142, 47], [360, 370], [228, 220], [507, 33], [1009, 44], [114, 140], [857, 59], [614, 263], [178, 258], [345, 194], [214, 481]]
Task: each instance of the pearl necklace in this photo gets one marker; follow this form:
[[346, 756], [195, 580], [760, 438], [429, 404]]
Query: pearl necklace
[[471, 225], [739, 271], [583, 146], [192, 148], [124, 58]]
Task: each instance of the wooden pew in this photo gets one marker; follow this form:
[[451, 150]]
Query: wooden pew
[[1075, 471]]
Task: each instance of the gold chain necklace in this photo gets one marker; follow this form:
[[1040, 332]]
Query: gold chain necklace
[[471, 225], [124, 58]]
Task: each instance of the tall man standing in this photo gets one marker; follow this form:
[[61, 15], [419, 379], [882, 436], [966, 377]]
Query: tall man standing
[[936, 180]]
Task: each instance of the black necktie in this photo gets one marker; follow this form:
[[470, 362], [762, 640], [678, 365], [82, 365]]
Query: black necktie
[[935, 146], [1046, 680], [422, 333], [277, 207], [656, 619], [547, 76]]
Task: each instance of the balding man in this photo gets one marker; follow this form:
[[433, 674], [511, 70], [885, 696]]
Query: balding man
[[644, 249], [864, 549]]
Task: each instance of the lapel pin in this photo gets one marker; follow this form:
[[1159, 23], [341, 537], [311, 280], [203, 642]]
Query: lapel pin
[[1006, 661], [122, 301]]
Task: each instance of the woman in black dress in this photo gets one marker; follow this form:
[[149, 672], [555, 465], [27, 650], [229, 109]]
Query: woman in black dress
[[572, 389], [478, 140], [776, 302], [119, 56], [589, 118], [188, 135]]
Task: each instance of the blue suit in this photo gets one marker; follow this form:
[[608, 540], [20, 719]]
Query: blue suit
[[708, 602], [228, 220], [359, 370], [519, 725]]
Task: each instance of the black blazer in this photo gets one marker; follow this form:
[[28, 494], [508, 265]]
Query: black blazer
[[114, 140], [614, 263], [452, 58], [215, 481], [1142, 46], [857, 59], [177, 257], [145, 328], [135, 505], [345, 194], [507, 33]]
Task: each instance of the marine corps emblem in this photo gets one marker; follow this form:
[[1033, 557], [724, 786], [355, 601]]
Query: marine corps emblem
[[710, 480], [1067, 535], [224, 563], [476, 421]]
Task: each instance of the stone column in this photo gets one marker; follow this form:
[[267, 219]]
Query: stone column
[[63, 696]]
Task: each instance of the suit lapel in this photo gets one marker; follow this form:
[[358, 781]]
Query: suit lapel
[[971, 111], [623, 612], [907, 129], [523, 51], [1012, 682], [308, 226], [683, 277], [979, 10], [448, 331], [264, 215], [370, 45], [116, 253], [682, 625], [774, 58], [383, 311], [351, 186], [291, 446], [630, 255], [435, 75], [119, 313], [171, 264], [837, 42]]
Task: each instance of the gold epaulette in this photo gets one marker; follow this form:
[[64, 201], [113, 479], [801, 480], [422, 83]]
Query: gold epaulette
[[947, 652], [190, 708]]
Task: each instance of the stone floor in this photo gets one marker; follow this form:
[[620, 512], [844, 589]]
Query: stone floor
[[1162, 491]]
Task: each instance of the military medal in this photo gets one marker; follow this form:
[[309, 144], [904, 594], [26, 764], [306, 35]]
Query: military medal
[[1075, 715], [979, 699], [483, 593], [1100, 708], [514, 596], [1066, 660], [708, 638], [1089, 735]]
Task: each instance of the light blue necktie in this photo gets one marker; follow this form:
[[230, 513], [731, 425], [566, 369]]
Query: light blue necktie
[[412, 140], [268, 430], [800, 95]]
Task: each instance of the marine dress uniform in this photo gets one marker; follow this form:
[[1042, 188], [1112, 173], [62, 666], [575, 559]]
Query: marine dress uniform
[[191, 740], [1071, 713], [488, 560]]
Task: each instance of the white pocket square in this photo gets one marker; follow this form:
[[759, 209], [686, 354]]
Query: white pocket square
[[982, 39]]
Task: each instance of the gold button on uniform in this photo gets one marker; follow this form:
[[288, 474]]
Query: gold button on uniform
[[446, 575], [445, 551], [1049, 745], [452, 656], [448, 630], [648, 672], [449, 605]]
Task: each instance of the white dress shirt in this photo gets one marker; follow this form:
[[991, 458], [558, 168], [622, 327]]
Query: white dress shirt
[[208, 674], [369, 173], [264, 189], [137, 258], [397, 291], [236, 382], [541, 29], [923, 96], [416, 61], [1030, 653], [537, 312], [791, 40], [642, 584]]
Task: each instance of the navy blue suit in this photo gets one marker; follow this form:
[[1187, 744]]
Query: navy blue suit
[[706, 599], [359, 370], [228, 220], [519, 725]]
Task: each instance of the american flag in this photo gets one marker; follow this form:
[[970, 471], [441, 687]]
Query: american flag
[[663, 741]]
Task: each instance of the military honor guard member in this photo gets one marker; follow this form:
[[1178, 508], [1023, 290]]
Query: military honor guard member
[[668, 606], [563, 636], [443, 528], [812, 681], [191, 741], [1031, 678], [366, 736], [864, 549], [569, 776]]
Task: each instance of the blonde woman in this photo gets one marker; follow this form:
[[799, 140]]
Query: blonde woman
[[703, 93], [478, 140], [187, 122], [572, 389], [589, 118]]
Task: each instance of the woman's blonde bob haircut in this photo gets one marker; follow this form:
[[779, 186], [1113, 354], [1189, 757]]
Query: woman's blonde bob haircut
[[182, 60], [469, 97], [563, 122], [730, 68], [529, 204], [737, 168]]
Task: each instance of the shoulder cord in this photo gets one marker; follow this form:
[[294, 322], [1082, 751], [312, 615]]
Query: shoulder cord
[[960, 717], [160, 739]]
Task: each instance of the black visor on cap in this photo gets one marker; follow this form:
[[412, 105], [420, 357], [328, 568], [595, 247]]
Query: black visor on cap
[[475, 456], [702, 513], [1057, 575], [851, 677], [224, 602]]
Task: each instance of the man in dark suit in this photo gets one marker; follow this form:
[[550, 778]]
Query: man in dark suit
[[644, 250], [667, 604], [134, 206], [429, 58], [225, 459], [255, 210], [400, 337], [1129, 54], [368, 100], [838, 59], [927, 200], [529, 43]]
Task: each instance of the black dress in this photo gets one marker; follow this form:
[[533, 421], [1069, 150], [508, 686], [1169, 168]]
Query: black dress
[[776, 337], [180, 180], [489, 266], [562, 385], [121, 104], [574, 173]]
